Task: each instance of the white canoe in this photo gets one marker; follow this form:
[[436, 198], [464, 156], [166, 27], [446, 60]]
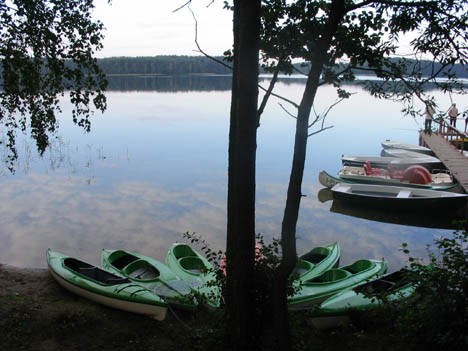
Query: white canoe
[[349, 174], [399, 197], [398, 162], [389, 144]]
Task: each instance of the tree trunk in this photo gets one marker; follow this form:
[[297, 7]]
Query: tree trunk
[[294, 194], [240, 247], [279, 306]]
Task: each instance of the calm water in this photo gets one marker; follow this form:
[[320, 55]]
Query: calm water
[[155, 166]]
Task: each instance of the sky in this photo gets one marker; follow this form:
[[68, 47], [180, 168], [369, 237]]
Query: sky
[[154, 27], [151, 27]]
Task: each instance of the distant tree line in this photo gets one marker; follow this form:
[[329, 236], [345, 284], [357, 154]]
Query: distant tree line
[[162, 65], [185, 65], [173, 65]]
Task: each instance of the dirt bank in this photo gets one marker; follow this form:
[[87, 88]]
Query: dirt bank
[[38, 314]]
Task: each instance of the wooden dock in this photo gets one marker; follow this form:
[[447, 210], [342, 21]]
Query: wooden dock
[[453, 159]]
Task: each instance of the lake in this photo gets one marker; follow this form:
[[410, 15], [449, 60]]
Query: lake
[[155, 166]]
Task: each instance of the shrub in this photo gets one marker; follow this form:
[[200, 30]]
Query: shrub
[[438, 315]]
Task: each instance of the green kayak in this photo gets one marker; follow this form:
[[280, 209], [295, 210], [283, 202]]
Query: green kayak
[[316, 290], [317, 261], [150, 273], [196, 271], [363, 297], [104, 287]]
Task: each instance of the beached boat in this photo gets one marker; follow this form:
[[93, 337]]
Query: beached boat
[[364, 297], [317, 261], [150, 273], [314, 291], [413, 176], [196, 271], [399, 197], [426, 161], [104, 287], [337, 309], [389, 144]]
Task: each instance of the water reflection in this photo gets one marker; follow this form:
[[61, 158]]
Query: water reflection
[[208, 82], [155, 166], [170, 83], [443, 221]]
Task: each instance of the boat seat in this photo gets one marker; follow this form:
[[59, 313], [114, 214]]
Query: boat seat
[[142, 270], [404, 193]]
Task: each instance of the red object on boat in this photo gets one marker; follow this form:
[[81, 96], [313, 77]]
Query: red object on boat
[[373, 171], [417, 175]]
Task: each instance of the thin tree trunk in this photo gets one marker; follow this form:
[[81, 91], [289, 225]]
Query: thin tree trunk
[[290, 217], [240, 250], [294, 194]]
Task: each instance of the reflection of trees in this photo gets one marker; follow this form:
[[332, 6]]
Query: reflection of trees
[[170, 83], [212, 82]]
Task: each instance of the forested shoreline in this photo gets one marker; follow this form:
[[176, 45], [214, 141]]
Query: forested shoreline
[[185, 65]]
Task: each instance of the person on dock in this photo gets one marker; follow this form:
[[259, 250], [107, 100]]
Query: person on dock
[[428, 113], [453, 114]]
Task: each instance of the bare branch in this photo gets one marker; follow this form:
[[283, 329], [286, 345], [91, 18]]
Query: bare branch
[[182, 6], [267, 95], [280, 97], [325, 114], [198, 46], [299, 71], [319, 131], [287, 112]]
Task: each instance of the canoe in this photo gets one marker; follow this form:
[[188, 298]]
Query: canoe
[[405, 154], [194, 269], [399, 197], [349, 174], [150, 273], [314, 291], [428, 162], [104, 287], [317, 261], [389, 144], [366, 296]]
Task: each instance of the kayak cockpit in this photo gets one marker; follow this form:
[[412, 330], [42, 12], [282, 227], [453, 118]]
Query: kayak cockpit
[[92, 272]]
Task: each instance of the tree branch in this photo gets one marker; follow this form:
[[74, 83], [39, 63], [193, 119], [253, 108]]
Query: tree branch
[[182, 6], [267, 95], [198, 46]]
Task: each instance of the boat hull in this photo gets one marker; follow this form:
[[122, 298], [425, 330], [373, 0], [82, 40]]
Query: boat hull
[[317, 261], [401, 153], [104, 287], [196, 271], [365, 297], [150, 273], [314, 291], [431, 163], [328, 180], [399, 198], [388, 144]]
